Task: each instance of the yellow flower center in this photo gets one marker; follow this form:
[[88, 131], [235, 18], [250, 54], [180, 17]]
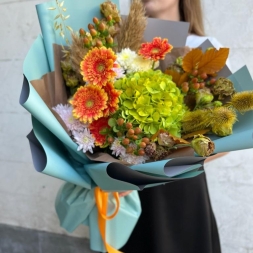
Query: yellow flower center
[[155, 50], [89, 103], [71, 119], [85, 139], [100, 67]]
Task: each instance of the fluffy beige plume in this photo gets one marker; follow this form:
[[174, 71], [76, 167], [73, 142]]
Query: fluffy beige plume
[[77, 52], [132, 27]]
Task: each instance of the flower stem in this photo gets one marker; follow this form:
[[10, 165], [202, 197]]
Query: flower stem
[[181, 146], [153, 65]]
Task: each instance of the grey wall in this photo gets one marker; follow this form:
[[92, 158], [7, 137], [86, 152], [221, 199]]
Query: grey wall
[[27, 197]]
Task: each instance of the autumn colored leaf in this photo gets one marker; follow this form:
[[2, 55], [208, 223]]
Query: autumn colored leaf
[[175, 139], [174, 74], [178, 140], [213, 60], [191, 60], [177, 78], [183, 78], [191, 135]]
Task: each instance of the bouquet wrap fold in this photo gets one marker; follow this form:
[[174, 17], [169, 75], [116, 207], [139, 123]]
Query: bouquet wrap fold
[[75, 205]]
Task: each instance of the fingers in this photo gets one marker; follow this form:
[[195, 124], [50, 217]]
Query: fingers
[[123, 194]]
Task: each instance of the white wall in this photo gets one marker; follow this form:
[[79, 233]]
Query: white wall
[[27, 197]]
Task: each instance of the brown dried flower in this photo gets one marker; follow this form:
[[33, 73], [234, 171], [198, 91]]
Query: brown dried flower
[[202, 145], [223, 87]]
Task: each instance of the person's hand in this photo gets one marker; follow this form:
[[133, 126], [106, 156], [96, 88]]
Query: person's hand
[[123, 194], [213, 157]]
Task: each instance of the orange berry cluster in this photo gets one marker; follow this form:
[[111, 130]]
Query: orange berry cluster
[[132, 138], [100, 33], [197, 81]]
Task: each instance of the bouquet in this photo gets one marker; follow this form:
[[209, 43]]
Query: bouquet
[[113, 112]]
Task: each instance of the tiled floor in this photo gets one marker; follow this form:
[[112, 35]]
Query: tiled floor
[[20, 240]]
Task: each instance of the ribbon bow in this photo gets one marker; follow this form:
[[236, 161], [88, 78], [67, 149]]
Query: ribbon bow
[[101, 199]]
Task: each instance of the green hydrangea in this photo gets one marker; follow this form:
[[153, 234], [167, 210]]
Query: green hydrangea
[[151, 100]]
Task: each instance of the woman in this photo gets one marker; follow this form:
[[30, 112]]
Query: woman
[[177, 217]]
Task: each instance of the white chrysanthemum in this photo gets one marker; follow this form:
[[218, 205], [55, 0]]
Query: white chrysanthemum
[[133, 159], [117, 148], [125, 58], [131, 62], [65, 112], [85, 140], [142, 64]]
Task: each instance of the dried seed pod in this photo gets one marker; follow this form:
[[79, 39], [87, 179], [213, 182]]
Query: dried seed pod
[[202, 145], [150, 149], [222, 88], [223, 120], [196, 120], [242, 101]]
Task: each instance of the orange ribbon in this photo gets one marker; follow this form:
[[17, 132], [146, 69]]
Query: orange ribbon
[[101, 199]]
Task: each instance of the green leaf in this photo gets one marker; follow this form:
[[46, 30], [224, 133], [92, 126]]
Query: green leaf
[[128, 104], [112, 122], [146, 128], [156, 97], [145, 110], [115, 129], [153, 128], [156, 116], [143, 100], [163, 85], [104, 131]]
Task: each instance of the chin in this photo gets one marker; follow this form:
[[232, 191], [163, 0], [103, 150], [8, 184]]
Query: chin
[[148, 7]]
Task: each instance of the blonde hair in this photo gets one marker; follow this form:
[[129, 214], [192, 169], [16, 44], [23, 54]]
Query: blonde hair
[[191, 11]]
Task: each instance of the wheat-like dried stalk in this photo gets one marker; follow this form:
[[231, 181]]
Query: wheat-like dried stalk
[[132, 27], [77, 52]]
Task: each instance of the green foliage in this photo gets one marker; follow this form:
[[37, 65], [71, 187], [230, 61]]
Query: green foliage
[[152, 101]]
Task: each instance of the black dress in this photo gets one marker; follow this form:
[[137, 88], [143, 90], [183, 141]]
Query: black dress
[[176, 218]]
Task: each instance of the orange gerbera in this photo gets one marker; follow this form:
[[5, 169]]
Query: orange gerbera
[[113, 99], [97, 66], [155, 50], [89, 102], [98, 129]]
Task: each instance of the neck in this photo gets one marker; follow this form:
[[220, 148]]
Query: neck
[[172, 14]]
